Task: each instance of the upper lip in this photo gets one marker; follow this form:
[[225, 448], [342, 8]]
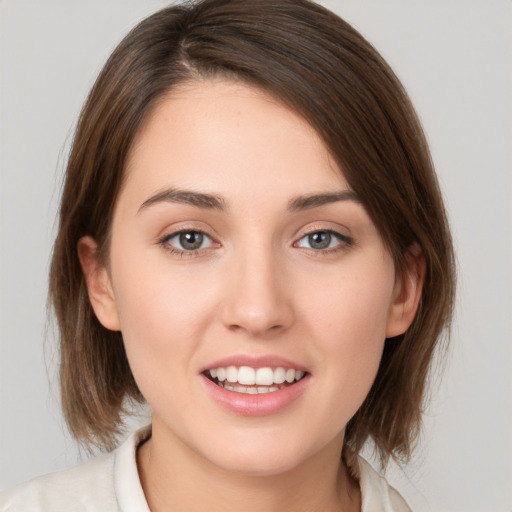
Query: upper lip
[[255, 361]]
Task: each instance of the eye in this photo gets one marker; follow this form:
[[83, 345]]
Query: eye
[[188, 241], [322, 240]]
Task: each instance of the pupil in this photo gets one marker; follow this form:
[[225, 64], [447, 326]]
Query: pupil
[[320, 240], [191, 240]]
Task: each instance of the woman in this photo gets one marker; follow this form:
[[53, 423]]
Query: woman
[[252, 240]]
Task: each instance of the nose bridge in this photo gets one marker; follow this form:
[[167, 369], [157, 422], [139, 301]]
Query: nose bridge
[[256, 299]]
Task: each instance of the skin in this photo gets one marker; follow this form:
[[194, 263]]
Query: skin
[[255, 287]]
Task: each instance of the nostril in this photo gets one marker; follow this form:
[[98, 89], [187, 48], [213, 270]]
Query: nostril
[[256, 301], [257, 322]]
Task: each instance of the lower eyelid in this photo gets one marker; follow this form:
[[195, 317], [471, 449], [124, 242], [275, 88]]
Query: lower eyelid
[[344, 241], [166, 240]]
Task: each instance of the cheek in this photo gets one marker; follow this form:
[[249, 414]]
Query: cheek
[[162, 315], [351, 307], [154, 295], [347, 315], [161, 312]]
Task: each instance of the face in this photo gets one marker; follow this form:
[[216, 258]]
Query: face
[[253, 291]]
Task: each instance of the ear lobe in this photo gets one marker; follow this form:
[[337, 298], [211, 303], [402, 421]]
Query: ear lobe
[[407, 293], [99, 286]]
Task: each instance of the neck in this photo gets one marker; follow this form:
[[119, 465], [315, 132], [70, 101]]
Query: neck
[[174, 477]]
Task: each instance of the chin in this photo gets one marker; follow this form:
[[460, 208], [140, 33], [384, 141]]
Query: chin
[[260, 459], [269, 465]]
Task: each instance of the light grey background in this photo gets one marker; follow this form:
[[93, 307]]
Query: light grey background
[[454, 57]]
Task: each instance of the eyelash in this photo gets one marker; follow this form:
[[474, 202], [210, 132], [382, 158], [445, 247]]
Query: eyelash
[[343, 242], [184, 253]]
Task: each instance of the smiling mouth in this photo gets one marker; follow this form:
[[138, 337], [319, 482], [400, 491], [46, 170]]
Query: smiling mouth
[[254, 381]]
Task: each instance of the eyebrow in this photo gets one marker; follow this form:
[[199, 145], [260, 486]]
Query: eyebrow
[[198, 199], [215, 202], [307, 202]]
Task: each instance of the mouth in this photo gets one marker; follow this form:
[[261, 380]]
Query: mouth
[[254, 381]]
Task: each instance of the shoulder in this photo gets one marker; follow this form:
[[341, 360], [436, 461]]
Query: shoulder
[[108, 484], [87, 487], [377, 495]]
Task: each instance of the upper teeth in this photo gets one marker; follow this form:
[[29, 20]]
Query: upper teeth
[[248, 376]]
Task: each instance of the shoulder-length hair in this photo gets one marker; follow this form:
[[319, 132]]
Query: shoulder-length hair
[[320, 67]]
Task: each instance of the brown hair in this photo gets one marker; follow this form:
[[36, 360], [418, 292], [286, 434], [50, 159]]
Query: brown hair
[[319, 66]]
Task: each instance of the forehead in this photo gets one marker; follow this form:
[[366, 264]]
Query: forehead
[[225, 137]]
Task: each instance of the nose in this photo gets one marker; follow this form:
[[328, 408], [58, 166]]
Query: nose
[[257, 296]]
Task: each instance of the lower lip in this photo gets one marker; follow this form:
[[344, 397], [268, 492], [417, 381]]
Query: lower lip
[[261, 404]]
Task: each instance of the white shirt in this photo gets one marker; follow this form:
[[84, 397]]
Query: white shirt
[[111, 484]]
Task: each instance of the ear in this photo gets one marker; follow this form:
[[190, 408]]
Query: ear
[[407, 293], [99, 286]]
